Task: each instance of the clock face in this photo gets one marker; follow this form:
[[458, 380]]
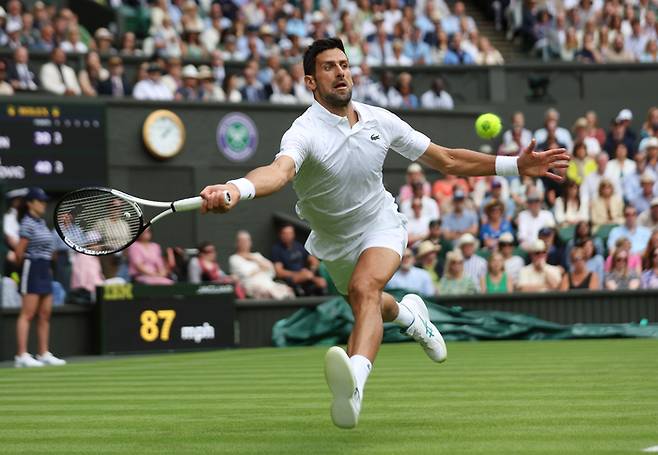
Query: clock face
[[164, 134]]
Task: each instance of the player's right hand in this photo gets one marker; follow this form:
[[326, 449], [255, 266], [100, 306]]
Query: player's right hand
[[215, 200]]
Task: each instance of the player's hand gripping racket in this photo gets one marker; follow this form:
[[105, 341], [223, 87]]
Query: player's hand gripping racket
[[98, 221]]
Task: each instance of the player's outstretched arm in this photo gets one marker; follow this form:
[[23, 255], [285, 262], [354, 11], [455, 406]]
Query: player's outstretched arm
[[262, 181], [465, 162]]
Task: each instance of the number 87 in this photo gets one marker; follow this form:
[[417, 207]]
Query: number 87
[[149, 330]]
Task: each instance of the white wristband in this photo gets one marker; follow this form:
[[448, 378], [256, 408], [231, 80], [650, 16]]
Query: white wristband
[[506, 165], [246, 188]]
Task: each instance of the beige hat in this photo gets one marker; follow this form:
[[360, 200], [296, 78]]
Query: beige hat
[[648, 143], [506, 237], [454, 255], [647, 177], [190, 71], [581, 122], [426, 247], [205, 73], [414, 167], [467, 239], [538, 246], [103, 33]]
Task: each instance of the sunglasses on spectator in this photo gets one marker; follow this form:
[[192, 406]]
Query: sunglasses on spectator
[[621, 258]]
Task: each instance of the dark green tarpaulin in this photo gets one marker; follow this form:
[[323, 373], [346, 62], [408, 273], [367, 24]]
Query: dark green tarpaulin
[[331, 322]]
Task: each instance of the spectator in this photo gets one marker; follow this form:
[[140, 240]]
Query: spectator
[[430, 209], [283, 88], [145, 262], [620, 277], [617, 53], [411, 278], [437, 97], [589, 189], [407, 99], [295, 266], [651, 245], [19, 74], [191, 44], [594, 261], [92, 75], [498, 190], [301, 92], [415, 174], [190, 89], [5, 87], [152, 88], [518, 134], [593, 129], [204, 267], [608, 207], [513, 263], [531, 220], [455, 54], [208, 90], [73, 43], [11, 230], [255, 272], [569, 47], [86, 271], [230, 89], [454, 282], [427, 259], [475, 267], [398, 58], [551, 123], [568, 208], [174, 77], [104, 40], [496, 280], [453, 23], [647, 192], [555, 254], [579, 277], [252, 91], [620, 134], [416, 49], [496, 224], [117, 84], [58, 78], [637, 41], [418, 222], [650, 146], [488, 55], [638, 235], [650, 125], [35, 252], [538, 276], [634, 260], [460, 220], [580, 135], [588, 53], [649, 278], [649, 217], [46, 41], [581, 164]]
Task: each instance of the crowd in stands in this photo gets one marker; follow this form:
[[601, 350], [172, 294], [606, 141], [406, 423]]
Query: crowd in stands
[[598, 230], [589, 31]]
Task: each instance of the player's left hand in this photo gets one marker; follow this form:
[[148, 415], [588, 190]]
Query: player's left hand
[[543, 164]]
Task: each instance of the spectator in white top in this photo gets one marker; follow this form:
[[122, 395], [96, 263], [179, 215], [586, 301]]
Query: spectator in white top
[[637, 41], [538, 276], [73, 43], [475, 267], [418, 225], [430, 209], [152, 87], [551, 120], [437, 97], [649, 218], [580, 134], [282, 88], [589, 189], [58, 78], [398, 58], [621, 166], [513, 263], [518, 134], [531, 220]]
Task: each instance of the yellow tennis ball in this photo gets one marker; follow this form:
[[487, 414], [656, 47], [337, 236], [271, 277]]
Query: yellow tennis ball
[[488, 126]]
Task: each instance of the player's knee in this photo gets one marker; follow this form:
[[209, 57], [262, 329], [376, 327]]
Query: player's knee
[[364, 290]]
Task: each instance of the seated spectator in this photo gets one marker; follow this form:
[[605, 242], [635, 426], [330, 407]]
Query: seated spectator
[[209, 91], [282, 88], [568, 208], [580, 135], [589, 189], [417, 50], [488, 55], [588, 53], [73, 44], [252, 91], [458, 20], [642, 200], [593, 260], [455, 54], [460, 220], [617, 53], [638, 235], [92, 75], [621, 166], [173, 78], [634, 260], [475, 267], [437, 97], [608, 207], [496, 281], [551, 123], [513, 263], [104, 40], [204, 268], [411, 278], [117, 84], [518, 134], [650, 54], [531, 220], [230, 89], [579, 277], [620, 134], [430, 209], [649, 218], [191, 44], [255, 272], [621, 277], [652, 244], [145, 262], [498, 190], [415, 174], [398, 58], [581, 164], [5, 87], [649, 278], [418, 222], [496, 224], [46, 41], [538, 276], [569, 47], [295, 266], [86, 273], [407, 99], [427, 259], [190, 88], [555, 251], [454, 281], [19, 74], [152, 88], [58, 78]]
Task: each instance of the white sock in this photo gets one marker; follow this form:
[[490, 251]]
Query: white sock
[[405, 317], [361, 367]]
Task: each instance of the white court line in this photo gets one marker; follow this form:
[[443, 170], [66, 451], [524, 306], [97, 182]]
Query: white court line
[[652, 449]]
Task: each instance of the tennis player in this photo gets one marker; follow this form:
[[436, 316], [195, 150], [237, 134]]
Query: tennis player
[[334, 153]]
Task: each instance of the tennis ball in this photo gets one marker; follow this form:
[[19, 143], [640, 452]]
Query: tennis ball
[[488, 126]]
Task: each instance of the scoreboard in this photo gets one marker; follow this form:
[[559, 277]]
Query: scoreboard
[[57, 146]]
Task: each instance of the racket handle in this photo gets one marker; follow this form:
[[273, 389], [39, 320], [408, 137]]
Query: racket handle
[[194, 203]]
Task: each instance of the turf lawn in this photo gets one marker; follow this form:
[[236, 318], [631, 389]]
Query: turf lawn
[[498, 397]]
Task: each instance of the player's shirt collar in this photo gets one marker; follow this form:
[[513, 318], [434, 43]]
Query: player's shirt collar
[[332, 119]]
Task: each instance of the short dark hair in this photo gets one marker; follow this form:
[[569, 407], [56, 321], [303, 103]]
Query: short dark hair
[[316, 48]]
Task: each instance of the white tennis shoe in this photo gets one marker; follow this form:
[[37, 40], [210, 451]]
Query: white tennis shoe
[[422, 330], [25, 360], [48, 358], [338, 372]]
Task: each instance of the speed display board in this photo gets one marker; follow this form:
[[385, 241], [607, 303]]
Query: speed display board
[[57, 146], [163, 318]]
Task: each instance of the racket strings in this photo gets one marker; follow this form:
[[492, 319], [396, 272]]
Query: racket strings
[[97, 221]]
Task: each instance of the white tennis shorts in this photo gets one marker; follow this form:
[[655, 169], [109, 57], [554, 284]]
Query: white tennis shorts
[[341, 269]]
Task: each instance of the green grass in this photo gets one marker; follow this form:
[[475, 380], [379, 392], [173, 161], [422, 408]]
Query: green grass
[[497, 397]]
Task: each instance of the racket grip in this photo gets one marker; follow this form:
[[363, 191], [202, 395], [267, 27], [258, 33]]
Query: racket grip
[[184, 205]]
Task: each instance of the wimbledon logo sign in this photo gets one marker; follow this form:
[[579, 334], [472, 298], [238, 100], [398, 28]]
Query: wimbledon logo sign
[[237, 136]]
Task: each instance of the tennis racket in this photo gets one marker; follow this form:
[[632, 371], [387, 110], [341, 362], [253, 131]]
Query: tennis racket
[[98, 221]]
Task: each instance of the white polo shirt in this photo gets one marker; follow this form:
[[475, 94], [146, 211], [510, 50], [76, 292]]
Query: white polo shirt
[[339, 173]]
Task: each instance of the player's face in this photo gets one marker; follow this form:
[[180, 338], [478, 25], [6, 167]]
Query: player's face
[[332, 81]]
